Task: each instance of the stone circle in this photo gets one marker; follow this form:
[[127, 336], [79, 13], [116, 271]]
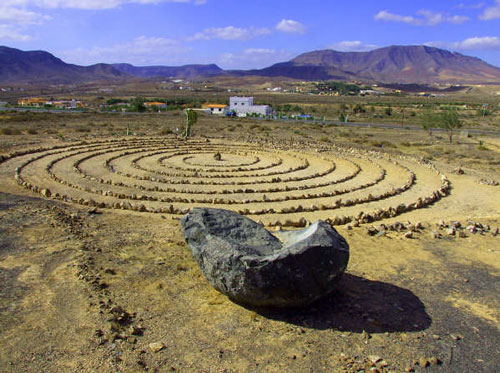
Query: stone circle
[[276, 184]]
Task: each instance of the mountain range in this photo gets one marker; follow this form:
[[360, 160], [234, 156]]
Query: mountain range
[[394, 64]]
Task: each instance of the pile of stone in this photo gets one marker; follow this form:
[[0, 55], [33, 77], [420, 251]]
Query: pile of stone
[[457, 229]]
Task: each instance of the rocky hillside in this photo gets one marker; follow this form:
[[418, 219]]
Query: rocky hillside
[[394, 64]]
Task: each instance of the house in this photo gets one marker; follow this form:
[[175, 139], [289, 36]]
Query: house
[[31, 102], [243, 106], [215, 108], [155, 105], [65, 104]]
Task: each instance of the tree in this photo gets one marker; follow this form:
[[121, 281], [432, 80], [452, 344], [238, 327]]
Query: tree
[[342, 117], [191, 118], [138, 105], [429, 120], [450, 120]]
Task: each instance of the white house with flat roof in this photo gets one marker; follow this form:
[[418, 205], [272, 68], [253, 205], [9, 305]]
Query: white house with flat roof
[[244, 106]]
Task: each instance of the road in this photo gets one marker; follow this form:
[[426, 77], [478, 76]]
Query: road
[[326, 122]]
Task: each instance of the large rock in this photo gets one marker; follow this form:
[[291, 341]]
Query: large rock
[[241, 259]]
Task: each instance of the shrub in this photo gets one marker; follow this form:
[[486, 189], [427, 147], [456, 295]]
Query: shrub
[[10, 131]]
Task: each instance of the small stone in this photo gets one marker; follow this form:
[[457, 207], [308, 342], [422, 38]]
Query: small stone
[[434, 361], [374, 358], [435, 234], [494, 232], [456, 337], [462, 234], [408, 234], [423, 362], [156, 346], [450, 231], [435, 336]]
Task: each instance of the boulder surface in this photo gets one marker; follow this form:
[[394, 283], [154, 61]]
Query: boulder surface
[[243, 260]]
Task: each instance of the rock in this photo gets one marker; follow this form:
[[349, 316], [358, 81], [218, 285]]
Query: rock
[[459, 171], [374, 358], [241, 259], [408, 234], [494, 232], [423, 362], [217, 156], [46, 193], [450, 231], [156, 346]]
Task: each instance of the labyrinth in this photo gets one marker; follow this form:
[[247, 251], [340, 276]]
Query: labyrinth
[[275, 185]]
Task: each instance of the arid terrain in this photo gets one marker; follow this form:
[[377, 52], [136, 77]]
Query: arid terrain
[[95, 274]]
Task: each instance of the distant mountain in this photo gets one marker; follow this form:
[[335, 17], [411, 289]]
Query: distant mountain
[[186, 71], [17, 66], [394, 64]]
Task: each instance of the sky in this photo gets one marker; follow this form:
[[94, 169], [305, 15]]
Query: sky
[[243, 34]]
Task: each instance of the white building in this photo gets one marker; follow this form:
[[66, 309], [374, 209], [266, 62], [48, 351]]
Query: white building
[[244, 106], [215, 109]]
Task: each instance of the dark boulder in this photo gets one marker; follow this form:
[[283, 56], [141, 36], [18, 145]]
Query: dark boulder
[[241, 259]]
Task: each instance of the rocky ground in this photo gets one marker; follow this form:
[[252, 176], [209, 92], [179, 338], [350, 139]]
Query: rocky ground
[[85, 289]]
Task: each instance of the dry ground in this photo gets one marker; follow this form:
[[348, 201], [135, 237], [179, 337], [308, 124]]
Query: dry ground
[[86, 291]]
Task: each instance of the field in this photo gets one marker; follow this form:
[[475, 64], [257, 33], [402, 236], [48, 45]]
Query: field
[[95, 274]]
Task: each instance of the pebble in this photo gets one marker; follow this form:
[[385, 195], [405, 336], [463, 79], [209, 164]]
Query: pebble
[[450, 231], [435, 234], [374, 358], [156, 346]]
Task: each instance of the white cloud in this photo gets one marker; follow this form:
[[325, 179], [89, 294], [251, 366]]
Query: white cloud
[[291, 26], [10, 13], [474, 43], [28, 5], [95, 4], [353, 46], [140, 51], [229, 33], [423, 18], [8, 34], [469, 6], [253, 58], [491, 12]]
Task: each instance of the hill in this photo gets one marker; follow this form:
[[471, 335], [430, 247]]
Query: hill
[[17, 66], [186, 71], [389, 65], [394, 64]]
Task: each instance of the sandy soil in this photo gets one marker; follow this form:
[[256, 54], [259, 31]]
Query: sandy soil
[[118, 290]]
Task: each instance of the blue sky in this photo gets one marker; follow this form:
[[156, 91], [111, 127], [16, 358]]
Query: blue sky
[[242, 34]]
